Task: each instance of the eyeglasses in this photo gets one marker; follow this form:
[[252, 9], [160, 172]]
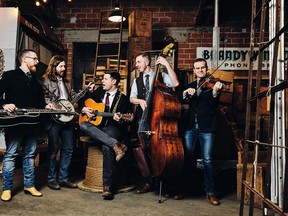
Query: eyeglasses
[[34, 58]]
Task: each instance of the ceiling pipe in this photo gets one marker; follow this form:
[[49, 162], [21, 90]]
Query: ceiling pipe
[[216, 35]]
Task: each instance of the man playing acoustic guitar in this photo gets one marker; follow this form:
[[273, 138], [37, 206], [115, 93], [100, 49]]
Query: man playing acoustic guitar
[[108, 132]]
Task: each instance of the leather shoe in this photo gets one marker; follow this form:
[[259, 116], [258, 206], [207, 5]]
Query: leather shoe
[[53, 185], [67, 184], [167, 195], [213, 200], [107, 194], [145, 189], [33, 191], [178, 196], [119, 150], [6, 196]]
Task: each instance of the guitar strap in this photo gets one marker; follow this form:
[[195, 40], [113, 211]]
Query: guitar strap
[[116, 105]]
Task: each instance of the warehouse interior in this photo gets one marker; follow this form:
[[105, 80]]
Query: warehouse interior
[[244, 44]]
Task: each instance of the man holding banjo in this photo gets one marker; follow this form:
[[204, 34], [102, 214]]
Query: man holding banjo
[[58, 90]]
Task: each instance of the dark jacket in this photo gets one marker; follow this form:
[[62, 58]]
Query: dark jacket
[[51, 94], [19, 91], [52, 91], [123, 105], [205, 107]]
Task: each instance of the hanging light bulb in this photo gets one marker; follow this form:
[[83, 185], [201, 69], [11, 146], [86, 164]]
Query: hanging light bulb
[[45, 1], [116, 15], [37, 3]]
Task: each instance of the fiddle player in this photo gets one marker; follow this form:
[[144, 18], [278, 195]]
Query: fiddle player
[[202, 123], [138, 96]]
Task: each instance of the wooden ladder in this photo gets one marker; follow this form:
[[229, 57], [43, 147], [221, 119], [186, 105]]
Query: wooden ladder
[[252, 141], [108, 46]]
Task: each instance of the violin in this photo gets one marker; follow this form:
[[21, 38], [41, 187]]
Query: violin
[[208, 83]]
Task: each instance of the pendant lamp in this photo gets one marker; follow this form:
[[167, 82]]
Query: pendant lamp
[[115, 15]]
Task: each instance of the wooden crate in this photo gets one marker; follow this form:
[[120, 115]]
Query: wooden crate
[[264, 106], [226, 97], [262, 157], [224, 76], [137, 45], [239, 97], [260, 182], [123, 66], [264, 129], [140, 24], [123, 86]]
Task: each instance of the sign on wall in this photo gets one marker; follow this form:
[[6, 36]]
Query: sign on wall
[[232, 58]]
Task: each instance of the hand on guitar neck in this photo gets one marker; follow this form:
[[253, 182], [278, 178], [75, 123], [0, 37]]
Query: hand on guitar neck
[[94, 112], [9, 108]]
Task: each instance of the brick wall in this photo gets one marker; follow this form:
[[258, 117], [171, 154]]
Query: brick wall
[[168, 14]]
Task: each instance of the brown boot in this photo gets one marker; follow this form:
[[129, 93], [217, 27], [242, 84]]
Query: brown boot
[[124, 147], [120, 152], [107, 194]]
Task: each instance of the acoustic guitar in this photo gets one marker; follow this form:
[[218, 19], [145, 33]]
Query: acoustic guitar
[[26, 116], [100, 114]]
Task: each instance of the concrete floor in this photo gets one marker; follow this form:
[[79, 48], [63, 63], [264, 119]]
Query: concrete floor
[[78, 202]]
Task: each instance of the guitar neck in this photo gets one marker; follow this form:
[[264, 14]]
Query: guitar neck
[[38, 111], [81, 94], [105, 114]]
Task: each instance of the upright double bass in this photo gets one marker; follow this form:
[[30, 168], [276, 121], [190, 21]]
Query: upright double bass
[[162, 115]]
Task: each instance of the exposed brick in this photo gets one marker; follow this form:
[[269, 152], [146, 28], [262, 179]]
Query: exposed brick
[[165, 14]]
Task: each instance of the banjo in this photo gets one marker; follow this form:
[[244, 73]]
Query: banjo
[[66, 105]]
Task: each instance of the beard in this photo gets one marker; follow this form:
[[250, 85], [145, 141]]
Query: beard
[[32, 68], [60, 73]]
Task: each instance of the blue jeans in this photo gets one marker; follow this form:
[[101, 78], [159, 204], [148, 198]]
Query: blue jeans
[[206, 145], [108, 136], [14, 137], [65, 133]]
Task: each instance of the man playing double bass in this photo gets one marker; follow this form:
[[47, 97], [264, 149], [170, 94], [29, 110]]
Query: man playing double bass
[[139, 94]]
